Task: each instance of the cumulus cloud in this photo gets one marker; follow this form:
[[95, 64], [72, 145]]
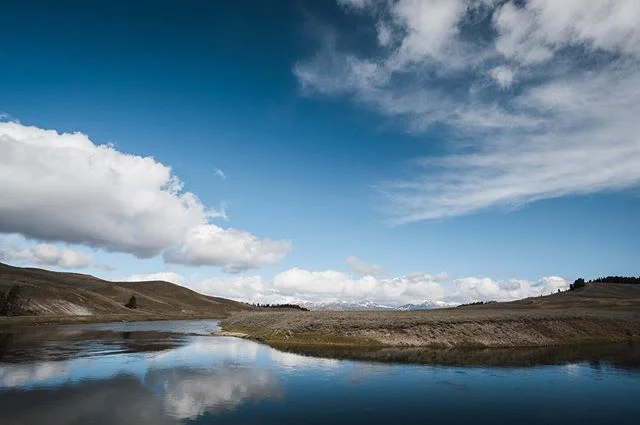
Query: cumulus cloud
[[64, 187], [363, 268], [472, 289], [235, 250], [43, 254], [328, 286], [252, 289], [332, 286], [566, 125]]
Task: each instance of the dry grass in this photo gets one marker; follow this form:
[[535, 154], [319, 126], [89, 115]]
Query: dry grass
[[595, 315], [70, 297]]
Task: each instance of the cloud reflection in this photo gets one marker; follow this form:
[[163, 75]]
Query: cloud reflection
[[190, 393], [20, 375], [210, 375]]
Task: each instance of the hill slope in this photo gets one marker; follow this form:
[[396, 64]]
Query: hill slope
[[620, 296], [55, 294]]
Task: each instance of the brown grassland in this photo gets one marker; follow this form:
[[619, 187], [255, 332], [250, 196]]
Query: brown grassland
[[57, 298], [600, 313], [596, 314]]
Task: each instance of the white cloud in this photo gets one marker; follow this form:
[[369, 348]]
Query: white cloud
[[331, 286], [431, 27], [43, 254], [535, 31], [595, 148], [235, 250], [63, 187], [503, 76], [473, 289], [243, 288], [328, 286], [363, 268], [567, 126], [218, 172]]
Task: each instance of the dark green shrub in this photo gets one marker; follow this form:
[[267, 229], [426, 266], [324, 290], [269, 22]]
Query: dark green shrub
[[13, 303], [132, 302], [578, 283]]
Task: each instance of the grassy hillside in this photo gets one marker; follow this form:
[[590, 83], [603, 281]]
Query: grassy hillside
[[67, 295], [616, 296], [597, 313]]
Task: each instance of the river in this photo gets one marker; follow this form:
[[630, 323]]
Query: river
[[174, 373]]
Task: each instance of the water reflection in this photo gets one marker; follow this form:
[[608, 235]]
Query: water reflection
[[208, 375], [61, 343], [23, 375], [163, 397], [202, 379], [625, 356], [187, 394]]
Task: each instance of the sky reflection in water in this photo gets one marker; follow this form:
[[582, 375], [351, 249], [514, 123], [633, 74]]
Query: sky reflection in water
[[228, 380]]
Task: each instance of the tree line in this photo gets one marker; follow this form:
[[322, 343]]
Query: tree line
[[617, 279], [281, 306], [478, 303], [580, 283]]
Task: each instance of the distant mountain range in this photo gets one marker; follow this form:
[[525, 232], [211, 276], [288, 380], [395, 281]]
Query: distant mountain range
[[427, 305], [372, 306]]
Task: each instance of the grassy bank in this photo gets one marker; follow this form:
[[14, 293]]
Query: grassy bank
[[450, 328], [9, 323]]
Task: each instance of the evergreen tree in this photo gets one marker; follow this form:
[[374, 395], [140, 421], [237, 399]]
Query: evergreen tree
[[132, 302]]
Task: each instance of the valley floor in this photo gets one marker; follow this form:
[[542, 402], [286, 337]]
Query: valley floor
[[596, 314], [447, 328]]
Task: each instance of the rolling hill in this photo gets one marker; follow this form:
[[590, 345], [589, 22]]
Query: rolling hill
[[616, 296], [55, 294]]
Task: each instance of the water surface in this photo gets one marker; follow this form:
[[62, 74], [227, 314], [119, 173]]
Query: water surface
[[195, 378]]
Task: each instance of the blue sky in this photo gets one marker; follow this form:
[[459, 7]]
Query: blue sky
[[488, 140]]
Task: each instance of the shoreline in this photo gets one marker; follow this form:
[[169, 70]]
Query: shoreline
[[393, 337], [16, 322], [623, 355]]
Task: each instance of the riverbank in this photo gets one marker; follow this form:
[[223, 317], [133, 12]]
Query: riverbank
[[10, 323], [447, 328]]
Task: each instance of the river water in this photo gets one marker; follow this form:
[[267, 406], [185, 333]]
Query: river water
[[174, 373]]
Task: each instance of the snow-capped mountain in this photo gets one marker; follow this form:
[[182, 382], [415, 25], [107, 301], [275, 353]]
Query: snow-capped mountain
[[371, 306], [427, 305], [346, 306]]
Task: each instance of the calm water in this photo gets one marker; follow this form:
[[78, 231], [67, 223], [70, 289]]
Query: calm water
[[131, 375]]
